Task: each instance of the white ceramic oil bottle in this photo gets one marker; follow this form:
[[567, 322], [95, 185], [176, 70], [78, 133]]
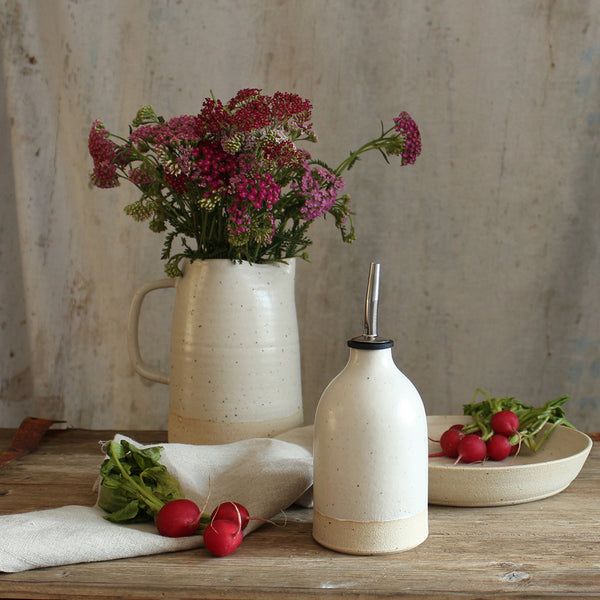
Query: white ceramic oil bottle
[[370, 450]]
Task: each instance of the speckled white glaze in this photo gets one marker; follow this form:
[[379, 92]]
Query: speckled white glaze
[[370, 459], [235, 357]]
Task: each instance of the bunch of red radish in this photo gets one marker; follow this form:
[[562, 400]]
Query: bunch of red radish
[[472, 447], [223, 533]]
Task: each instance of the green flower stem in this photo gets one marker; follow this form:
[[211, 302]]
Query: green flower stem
[[176, 212], [124, 140], [376, 144]]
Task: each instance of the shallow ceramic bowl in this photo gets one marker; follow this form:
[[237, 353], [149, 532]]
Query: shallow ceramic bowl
[[514, 480]]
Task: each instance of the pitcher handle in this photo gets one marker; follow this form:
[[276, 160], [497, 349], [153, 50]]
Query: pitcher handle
[[133, 342]]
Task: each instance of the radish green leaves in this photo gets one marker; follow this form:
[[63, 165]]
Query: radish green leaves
[[135, 486], [532, 421]]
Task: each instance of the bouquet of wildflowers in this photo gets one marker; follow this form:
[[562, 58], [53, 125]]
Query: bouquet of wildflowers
[[231, 182]]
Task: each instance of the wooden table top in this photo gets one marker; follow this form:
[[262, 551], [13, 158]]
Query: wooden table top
[[545, 549]]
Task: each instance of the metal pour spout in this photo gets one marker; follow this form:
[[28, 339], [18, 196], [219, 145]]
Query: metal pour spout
[[370, 340], [372, 302]]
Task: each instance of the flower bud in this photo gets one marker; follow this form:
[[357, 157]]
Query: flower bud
[[233, 143], [146, 114]]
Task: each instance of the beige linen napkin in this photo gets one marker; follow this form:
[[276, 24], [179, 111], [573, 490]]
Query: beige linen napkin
[[265, 475]]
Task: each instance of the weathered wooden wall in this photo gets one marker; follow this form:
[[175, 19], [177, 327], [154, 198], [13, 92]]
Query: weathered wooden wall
[[488, 245]]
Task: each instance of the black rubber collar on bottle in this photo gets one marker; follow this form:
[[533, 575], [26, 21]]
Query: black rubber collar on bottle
[[364, 343]]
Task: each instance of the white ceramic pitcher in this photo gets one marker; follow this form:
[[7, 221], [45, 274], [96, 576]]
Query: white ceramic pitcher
[[235, 352]]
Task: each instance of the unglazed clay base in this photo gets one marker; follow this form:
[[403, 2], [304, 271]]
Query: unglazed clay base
[[184, 430], [353, 537]]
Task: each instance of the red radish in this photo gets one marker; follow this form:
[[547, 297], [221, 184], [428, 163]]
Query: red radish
[[457, 426], [471, 449], [222, 537], [505, 422], [449, 442], [498, 447], [231, 511], [178, 518]]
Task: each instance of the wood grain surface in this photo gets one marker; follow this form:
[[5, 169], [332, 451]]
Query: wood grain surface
[[549, 549]]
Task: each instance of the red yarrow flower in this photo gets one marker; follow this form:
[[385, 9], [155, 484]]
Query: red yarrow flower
[[250, 194], [213, 168], [291, 107], [254, 114], [213, 119], [177, 183], [242, 97]]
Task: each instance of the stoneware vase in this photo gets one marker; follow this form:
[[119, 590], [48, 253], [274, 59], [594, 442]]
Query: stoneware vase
[[370, 458], [370, 450], [235, 353]]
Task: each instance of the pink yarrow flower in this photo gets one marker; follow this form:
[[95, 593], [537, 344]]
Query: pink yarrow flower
[[177, 130], [320, 188], [104, 154], [100, 147], [144, 134], [408, 129], [140, 176], [105, 175]]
